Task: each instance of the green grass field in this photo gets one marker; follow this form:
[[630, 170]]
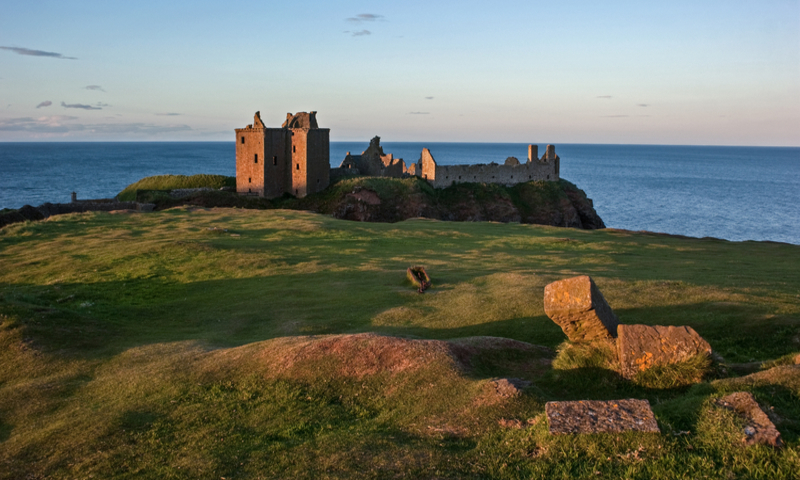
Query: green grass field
[[194, 343]]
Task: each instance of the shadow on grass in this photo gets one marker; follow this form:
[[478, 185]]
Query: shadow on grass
[[5, 431], [103, 319]]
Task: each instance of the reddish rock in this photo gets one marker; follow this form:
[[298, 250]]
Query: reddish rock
[[578, 307], [758, 427], [642, 346], [597, 416]]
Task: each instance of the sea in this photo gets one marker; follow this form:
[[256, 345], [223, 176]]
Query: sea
[[732, 193]]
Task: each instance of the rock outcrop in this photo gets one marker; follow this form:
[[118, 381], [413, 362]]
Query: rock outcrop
[[578, 307]]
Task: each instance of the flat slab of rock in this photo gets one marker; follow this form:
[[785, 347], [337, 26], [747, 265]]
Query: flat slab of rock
[[598, 416], [643, 346], [758, 427], [578, 307]]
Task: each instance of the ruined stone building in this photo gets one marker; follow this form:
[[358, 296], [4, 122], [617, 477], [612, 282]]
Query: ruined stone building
[[510, 173], [373, 162], [294, 158]]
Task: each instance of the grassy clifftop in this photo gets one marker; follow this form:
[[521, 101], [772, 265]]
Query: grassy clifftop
[[172, 182], [208, 343]]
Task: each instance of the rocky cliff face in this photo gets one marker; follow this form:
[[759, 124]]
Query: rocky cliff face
[[390, 200]]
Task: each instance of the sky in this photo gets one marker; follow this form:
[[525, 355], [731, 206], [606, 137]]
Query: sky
[[698, 72]]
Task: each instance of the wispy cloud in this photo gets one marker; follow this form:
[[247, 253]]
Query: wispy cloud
[[169, 114], [428, 98], [94, 87], [419, 113], [615, 116], [365, 17], [642, 105], [51, 124], [65, 124], [80, 105], [604, 96], [359, 33], [46, 103], [36, 53]]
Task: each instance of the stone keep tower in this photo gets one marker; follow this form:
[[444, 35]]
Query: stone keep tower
[[294, 158]]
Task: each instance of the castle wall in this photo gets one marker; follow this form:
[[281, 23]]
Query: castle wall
[[276, 171], [428, 166], [442, 176], [319, 160], [250, 161], [447, 175], [299, 158]]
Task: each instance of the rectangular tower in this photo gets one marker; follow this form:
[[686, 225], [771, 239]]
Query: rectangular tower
[[293, 159]]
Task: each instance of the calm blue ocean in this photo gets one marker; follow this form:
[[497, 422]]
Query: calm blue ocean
[[735, 193]]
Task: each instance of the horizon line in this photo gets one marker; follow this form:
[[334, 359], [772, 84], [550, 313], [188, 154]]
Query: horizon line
[[408, 141]]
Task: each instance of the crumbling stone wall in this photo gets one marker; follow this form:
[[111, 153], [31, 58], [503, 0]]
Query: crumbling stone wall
[[373, 162], [294, 158], [512, 172]]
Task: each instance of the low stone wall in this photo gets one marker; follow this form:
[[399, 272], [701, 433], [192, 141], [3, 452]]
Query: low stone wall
[[447, 175]]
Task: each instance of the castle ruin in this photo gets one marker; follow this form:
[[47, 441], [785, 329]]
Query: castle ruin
[[510, 173], [294, 158], [372, 162]]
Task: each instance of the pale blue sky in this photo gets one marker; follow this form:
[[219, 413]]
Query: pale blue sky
[[677, 72]]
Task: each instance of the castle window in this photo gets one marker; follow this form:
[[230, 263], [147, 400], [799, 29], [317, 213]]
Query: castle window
[[296, 191], [529, 177], [459, 177], [256, 159], [548, 177], [446, 177], [512, 176], [318, 181], [275, 160], [294, 148], [242, 140], [249, 180], [298, 167]]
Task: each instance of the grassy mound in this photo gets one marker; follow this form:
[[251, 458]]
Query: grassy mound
[[172, 182], [283, 344]]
